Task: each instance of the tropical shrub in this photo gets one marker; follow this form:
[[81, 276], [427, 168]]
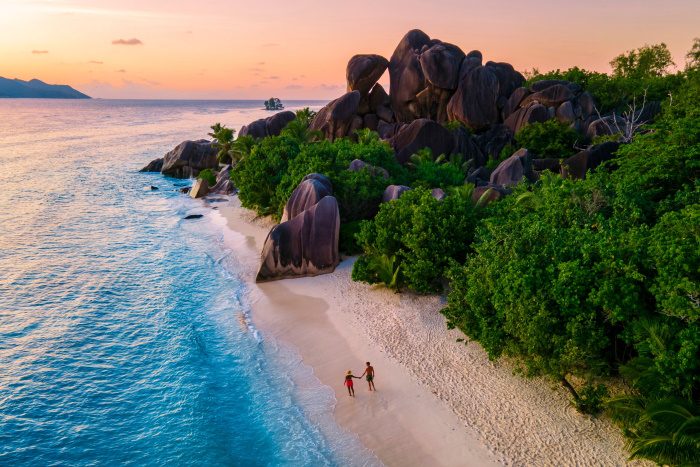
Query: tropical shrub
[[547, 139], [422, 233], [207, 175]]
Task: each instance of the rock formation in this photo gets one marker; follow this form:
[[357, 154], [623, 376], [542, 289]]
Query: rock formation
[[224, 185], [306, 245], [200, 189], [189, 158], [393, 192], [308, 193], [270, 126]]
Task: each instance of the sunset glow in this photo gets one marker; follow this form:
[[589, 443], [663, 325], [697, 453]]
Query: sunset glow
[[234, 49]]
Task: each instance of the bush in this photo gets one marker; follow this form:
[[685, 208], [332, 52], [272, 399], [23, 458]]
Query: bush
[[547, 139], [591, 398], [207, 175], [424, 235], [258, 175]]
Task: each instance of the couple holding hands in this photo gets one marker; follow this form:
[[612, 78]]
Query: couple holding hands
[[368, 374]]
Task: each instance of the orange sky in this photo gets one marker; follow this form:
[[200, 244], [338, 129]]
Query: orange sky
[[299, 48]]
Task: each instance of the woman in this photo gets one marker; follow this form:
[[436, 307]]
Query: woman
[[348, 383]]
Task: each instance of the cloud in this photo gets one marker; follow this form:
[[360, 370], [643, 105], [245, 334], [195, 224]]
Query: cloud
[[261, 63], [40, 52], [132, 41], [294, 86], [96, 62], [121, 70], [273, 77]]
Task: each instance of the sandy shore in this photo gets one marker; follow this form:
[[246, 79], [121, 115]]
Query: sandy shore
[[438, 401]]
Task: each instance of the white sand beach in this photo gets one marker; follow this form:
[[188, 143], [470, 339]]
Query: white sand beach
[[438, 401]]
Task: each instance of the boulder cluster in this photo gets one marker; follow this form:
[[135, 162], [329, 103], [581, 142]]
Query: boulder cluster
[[306, 242], [440, 98]]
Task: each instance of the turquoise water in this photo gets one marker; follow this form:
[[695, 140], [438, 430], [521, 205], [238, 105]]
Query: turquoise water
[[121, 335]]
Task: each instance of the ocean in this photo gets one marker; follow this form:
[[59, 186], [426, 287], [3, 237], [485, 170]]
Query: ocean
[[123, 335]]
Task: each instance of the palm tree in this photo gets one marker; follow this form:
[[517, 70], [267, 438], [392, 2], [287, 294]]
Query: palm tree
[[223, 141], [299, 127], [666, 431]]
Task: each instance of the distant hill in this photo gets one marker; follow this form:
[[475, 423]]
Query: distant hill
[[38, 89]]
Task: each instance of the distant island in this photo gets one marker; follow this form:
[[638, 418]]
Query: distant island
[[37, 89]]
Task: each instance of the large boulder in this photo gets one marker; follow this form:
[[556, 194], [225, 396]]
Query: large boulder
[[306, 245], [552, 96], [512, 170], [441, 63], [419, 134], [270, 126], [224, 185], [363, 71], [608, 125], [525, 116], [393, 192], [335, 119], [508, 79], [406, 75], [579, 164], [358, 164], [475, 103], [156, 165], [380, 104], [189, 158], [200, 189], [309, 192], [514, 101], [565, 113]]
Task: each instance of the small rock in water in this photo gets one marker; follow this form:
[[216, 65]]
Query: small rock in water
[[217, 200], [150, 188], [185, 189], [194, 216]]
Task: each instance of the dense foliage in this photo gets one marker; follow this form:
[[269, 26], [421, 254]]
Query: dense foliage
[[600, 276], [208, 175], [422, 234], [548, 139]]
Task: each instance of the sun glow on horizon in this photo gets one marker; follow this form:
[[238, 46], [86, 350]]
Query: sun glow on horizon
[[231, 49]]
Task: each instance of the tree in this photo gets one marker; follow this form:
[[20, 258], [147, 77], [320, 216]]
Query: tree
[[223, 141], [644, 62], [693, 56]]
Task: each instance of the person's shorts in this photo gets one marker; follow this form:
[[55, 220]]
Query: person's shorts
[[369, 378]]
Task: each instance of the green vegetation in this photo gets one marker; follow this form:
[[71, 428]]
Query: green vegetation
[[547, 139], [421, 234], [580, 281], [224, 142], [208, 175]]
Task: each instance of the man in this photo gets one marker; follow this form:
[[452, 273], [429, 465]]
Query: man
[[369, 373]]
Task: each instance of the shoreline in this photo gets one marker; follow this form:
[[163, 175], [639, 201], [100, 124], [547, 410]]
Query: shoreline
[[439, 401]]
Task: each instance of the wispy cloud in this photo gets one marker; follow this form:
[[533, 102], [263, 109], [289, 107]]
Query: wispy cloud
[[294, 86], [40, 52], [121, 70], [95, 62], [132, 41], [273, 77]]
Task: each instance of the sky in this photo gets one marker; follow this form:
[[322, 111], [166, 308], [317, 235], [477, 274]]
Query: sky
[[298, 49]]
